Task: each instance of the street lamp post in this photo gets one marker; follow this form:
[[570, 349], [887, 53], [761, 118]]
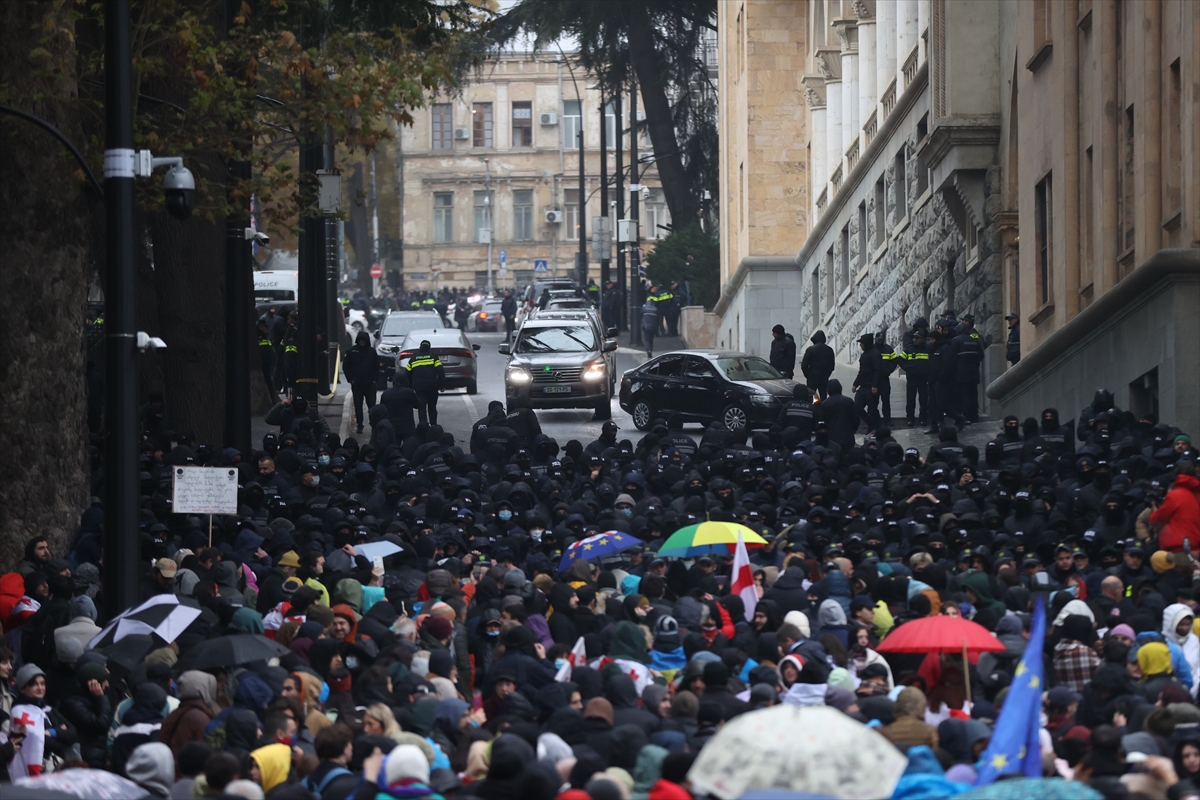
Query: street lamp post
[[121, 578], [487, 221]]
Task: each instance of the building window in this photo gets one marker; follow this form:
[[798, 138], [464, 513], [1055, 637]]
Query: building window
[[1041, 23], [1126, 231], [481, 120], [610, 126], [443, 216], [899, 188], [1044, 232], [862, 235], [656, 216], [483, 216], [814, 289], [570, 226], [844, 271], [1086, 226], [443, 126], [523, 214], [571, 126], [971, 241], [880, 213], [829, 278], [922, 169], [522, 124], [1172, 175]]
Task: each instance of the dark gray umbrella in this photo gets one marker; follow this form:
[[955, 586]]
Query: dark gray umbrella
[[130, 651], [239, 648]]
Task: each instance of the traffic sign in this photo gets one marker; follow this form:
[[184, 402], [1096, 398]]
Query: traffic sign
[[503, 256], [376, 271], [541, 265]]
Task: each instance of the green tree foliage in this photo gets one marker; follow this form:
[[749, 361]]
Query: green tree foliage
[[660, 43], [688, 254]]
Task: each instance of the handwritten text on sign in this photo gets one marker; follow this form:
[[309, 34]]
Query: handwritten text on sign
[[205, 490]]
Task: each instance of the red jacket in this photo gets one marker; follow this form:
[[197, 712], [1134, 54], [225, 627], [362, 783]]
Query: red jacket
[[1179, 515], [665, 790]]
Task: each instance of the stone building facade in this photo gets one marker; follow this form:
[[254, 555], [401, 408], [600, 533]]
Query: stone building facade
[[502, 155], [1039, 157]]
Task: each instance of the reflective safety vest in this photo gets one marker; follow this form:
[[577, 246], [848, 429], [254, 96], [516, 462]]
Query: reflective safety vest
[[264, 342], [423, 361], [429, 301], [291, 348]]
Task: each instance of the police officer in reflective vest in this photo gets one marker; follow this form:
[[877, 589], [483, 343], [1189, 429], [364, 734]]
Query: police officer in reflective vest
[[266, 352], [891, 359], [914, 360], [426, 376]]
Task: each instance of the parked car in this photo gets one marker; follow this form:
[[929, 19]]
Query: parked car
[[487, 317], [739, 390], [561, 362], [389, 339], [452, 348]]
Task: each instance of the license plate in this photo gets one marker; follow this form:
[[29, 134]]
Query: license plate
[[557, 390]]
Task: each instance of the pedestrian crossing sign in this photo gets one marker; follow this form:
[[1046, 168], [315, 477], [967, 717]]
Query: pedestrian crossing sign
[[541, 265]]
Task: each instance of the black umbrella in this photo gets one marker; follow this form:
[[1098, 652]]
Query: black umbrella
[[162, 614], [130, 651], [228, 651]]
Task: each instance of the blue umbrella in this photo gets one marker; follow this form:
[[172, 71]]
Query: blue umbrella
[[598, 546]]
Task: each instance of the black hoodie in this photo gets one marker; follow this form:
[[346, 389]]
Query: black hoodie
[[818, 362]]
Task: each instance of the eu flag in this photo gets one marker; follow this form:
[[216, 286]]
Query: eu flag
[[1014, 747]]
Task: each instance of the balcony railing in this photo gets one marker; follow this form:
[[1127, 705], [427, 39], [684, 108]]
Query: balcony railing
[[836, 180], [822, 202], [910, 66], [888, 99], [872, 127], [852, 156]]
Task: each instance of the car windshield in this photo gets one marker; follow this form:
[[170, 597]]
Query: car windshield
[[747, 368], [492, 306], [398, 326], [569, 302], [564, 339]]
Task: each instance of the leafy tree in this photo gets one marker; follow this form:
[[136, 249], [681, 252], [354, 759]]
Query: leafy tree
[[660, 43], [688, 254]]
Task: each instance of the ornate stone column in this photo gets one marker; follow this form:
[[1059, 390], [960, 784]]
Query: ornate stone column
[[814, 95], [847, 33], [829, 63], [868, 91], [885, 46]]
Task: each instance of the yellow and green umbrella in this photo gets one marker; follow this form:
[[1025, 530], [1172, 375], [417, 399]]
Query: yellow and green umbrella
[[706, 538]]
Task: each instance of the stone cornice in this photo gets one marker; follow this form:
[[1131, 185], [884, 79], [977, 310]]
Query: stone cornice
[[829, 62], [864, 10], [814, 90]]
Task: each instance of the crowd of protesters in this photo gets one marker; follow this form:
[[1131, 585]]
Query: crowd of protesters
[[453, 668]]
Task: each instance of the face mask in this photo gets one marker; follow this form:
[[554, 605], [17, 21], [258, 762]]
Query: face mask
[[324, 461], [559, 663], [626, 511], [316, 480], [284, 740], [324, 695], [493, 633], [505, 515], [351, 663], [536, 533]]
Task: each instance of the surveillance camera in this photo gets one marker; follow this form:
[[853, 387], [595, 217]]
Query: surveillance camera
[[147, 342], [645, 193], [179, 190], [257, 236]]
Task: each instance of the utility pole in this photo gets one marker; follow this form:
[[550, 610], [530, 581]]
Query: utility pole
[[374, 227], [400, 200], [636, 294], [604, 253], [121, 584], [622, 288], [487, 220], [312, 247], [581, 259], [238, 296]]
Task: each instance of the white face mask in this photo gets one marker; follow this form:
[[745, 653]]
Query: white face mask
[[536, 533]]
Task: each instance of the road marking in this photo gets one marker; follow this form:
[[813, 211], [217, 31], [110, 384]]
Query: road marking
[[472, 412]]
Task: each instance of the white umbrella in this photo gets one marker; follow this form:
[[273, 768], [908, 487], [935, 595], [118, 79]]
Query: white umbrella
[[372, 550], [91, 784], [162, 615], [813, 749]]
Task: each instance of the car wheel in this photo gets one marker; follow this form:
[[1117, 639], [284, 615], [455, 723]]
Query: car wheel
[[734, 418], [604, 409], [643, 415], [472, 388]]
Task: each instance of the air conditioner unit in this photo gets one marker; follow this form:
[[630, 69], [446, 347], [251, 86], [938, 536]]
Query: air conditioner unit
[[462, 134], [554, 216], [549, 119]]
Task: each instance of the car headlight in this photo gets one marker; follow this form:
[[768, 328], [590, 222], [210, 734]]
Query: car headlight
[[594, 372], [519, 375], [763, 399]]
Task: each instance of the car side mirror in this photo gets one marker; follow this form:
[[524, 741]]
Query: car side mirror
[[612, 333], [475, 347], [610, 346], [504, 349]]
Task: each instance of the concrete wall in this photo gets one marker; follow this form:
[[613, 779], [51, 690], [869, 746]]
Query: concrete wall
[[765, 292], [1148, 322], [698, 327]]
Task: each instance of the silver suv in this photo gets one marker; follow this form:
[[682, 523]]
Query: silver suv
[[562, 360]]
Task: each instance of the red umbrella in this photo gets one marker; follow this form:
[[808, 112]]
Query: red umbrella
[[941, 634]]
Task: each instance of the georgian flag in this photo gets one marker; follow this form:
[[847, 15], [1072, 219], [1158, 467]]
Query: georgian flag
[[639, 672], [576, 658], [743, 579], [28, 762]]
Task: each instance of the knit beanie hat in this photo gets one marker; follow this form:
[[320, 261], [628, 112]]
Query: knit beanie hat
[[439, 628], [26, 674], [440, 663], [406, 761]]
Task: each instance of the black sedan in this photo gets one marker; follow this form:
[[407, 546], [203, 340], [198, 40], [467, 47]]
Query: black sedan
[[737, 389]]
